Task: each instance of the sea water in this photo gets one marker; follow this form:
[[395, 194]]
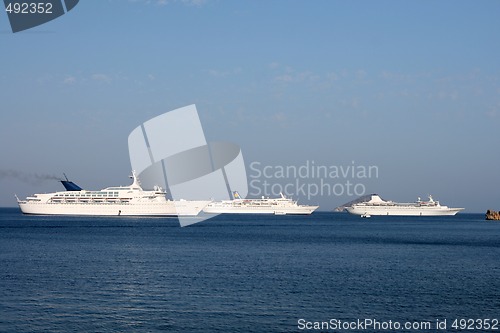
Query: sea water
[[246, 273]]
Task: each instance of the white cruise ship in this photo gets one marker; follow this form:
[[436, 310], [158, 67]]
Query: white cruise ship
[[276, 206], [377, 206], [123, 200]]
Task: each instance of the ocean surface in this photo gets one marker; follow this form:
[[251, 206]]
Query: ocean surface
[[247, 273]]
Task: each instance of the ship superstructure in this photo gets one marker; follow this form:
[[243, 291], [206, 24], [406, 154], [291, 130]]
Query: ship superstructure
[[377, 206], [276, 206]]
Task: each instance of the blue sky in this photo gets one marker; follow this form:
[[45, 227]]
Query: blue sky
[[412, 87]]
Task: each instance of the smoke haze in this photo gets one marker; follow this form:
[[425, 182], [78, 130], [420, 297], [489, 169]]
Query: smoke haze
[[29, 178]]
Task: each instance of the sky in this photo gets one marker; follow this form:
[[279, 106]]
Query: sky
[[409, 88]]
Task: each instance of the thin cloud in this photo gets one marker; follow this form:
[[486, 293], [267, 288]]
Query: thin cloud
[[101, 78], [196, 3], [223, 73], [280, 117], [69, 80], [274, 65], [297, 77]]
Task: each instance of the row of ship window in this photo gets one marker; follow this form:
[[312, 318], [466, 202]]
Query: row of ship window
[[96, 194]]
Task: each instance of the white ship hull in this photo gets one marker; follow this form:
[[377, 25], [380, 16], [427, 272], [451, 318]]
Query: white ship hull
[[300, 210], [119, 201], [377, 206], [167, 208], [276, 206], [403, 211]]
